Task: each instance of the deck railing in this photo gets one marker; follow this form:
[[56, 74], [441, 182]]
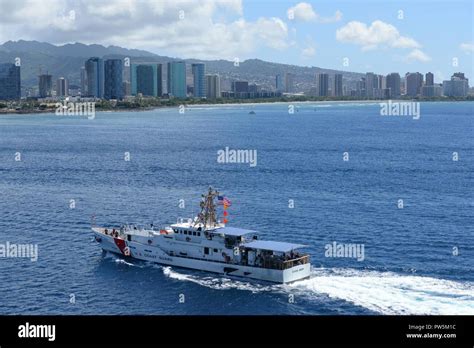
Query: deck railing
[[299, 261], [275, 263]]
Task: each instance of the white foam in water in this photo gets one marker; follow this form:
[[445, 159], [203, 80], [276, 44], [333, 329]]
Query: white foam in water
[[382, 292], [221, 283], [390, 293], [124, 262], [117, 259]]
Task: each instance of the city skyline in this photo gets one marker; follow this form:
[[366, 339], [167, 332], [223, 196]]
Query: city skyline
[[146, 79], [393, 36], [118, 79]]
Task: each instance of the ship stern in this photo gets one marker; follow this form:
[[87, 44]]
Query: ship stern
[[295, 273]]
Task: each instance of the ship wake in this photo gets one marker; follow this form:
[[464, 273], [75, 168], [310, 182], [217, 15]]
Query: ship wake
[[390, 293], [380, 292]]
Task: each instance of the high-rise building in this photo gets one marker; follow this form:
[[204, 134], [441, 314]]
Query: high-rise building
[[414, 81], [429, 79], [83, 82], [45, 85], [458, 86], [199, 84], [376, 84], [113, 79], [289, 82], [62, 87], [279, 87], [126, 88], [323, 85], [126, 72], [159, 80], [240, 86], [146, 79], [393, 84], [361, 91], [382, 82], [95, 77], [346, 91], [213, 86], [253, 88], [385, 93], [455, 88], [459, 75], [371, 84], [403, 85], [431, 91], [10, 84], [177, 79], [337, 91]]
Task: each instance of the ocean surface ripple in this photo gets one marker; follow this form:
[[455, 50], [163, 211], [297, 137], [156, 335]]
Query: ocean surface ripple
[[418, 259]]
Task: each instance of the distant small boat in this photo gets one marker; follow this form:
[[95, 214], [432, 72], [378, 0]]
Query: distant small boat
[[252, 112]]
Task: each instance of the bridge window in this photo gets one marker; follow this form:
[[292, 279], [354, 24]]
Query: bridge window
[[206, 251]]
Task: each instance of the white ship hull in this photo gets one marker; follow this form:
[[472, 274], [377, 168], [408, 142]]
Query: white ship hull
[[155, 253]]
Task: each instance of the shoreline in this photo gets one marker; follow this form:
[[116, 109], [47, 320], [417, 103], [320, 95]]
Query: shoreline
[[250, 104]]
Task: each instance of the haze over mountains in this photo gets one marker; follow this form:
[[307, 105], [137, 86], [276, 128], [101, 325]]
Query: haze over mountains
[[67, 60]]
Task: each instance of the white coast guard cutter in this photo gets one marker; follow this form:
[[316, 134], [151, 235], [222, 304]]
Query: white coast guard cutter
[[203, 243]]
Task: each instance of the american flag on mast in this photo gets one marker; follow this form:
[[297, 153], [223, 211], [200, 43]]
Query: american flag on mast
[[221, 200]]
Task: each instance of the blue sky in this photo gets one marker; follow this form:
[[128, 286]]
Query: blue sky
[[440, 27], [366, 35]]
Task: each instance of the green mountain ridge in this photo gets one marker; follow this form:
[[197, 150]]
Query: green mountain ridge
[[67, 60]]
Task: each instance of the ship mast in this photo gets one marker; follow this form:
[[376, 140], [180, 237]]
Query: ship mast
[[208, 216]]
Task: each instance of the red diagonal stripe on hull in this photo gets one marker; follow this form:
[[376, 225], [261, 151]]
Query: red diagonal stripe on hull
[[120, 243]]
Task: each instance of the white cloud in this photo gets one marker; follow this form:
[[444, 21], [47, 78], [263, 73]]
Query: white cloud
[[273, 31], [418, 55], [302, 11], [308, 52], [212, 29], [467, 47], [305, 12], [310, 48], [378, 34], [335, 18]]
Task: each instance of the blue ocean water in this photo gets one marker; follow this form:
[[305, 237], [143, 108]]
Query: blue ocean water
[[419, 259]]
